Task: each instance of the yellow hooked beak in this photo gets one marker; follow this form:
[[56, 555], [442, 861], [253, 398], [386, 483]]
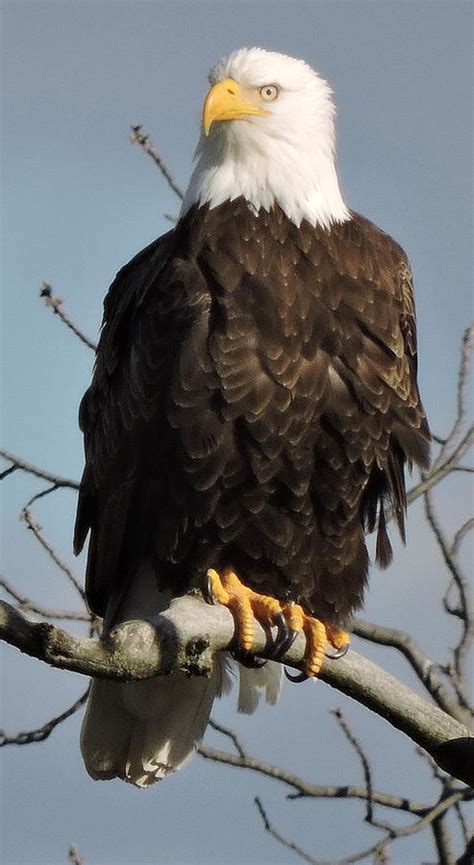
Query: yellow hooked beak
[[225, 101]]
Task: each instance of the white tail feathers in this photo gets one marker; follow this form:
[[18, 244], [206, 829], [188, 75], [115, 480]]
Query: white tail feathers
[[143, 731]]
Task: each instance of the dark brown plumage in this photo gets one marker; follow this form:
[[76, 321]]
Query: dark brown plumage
[[254, 404]]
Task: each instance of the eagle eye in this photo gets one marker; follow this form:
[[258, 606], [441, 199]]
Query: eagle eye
[[269, 92]]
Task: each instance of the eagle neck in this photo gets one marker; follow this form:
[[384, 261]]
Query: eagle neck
[[304, 184]]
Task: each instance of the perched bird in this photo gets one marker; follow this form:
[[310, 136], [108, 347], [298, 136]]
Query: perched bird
[[253, 406]]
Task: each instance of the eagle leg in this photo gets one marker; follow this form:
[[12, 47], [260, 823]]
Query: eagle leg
[[246, 605]]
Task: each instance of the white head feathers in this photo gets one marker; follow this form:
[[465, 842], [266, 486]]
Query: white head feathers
[[285, 157]]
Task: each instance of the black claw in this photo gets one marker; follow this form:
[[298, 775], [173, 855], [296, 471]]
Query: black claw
[[285, 645], [249, 660], [300, 677], [278, 647], [339, 653], [285, 638], [209, 593]]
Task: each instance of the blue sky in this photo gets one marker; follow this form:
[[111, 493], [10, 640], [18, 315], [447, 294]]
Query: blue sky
[[78, 201]]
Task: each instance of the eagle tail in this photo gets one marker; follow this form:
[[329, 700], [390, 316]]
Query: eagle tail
[[143, 731]]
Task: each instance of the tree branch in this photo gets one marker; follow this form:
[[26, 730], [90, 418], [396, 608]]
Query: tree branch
[[42, 733], [425, 669], [19, 463], [55, 303], [144, 140], [187, 636]]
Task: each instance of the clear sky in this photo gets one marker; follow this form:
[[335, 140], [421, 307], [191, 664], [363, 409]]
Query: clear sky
[[78, 201]]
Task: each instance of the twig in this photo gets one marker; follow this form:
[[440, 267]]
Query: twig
[[8, 471], [306, 789], [443, 842], [19, 463], [352, 738], [144, 140], [395, 832], [461, 412], [291, 845], [438, 473], [42, 733], [466, 611], [35, 528], [27, 606], [460, 535], [55, 303], [230, 735], [463, 823], [74, 857]]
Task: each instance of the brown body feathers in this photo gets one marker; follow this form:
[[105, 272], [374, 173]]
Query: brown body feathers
[[254, 403]]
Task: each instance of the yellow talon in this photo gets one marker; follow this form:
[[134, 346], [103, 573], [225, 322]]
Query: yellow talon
[[246, 606]]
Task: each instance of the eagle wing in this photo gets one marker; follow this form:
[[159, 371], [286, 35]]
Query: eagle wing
[[148, 311], [374, 416]]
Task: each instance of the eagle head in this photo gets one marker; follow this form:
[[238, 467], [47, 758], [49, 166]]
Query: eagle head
[[268, 136]]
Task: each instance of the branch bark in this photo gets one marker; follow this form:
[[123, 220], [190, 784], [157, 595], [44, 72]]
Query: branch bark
[[187, 636]]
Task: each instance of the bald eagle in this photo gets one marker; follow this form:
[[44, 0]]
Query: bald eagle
[[253, 406]]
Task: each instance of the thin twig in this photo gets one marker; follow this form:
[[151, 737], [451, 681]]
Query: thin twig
[[28, 606], [466, 611], [55, 303], [461, 412], [19, 463], [36, 529], [8, 471], [395, 832], [352, 738], [144, 140], [305, 789], [230, 735], [42, 733], [460, 535], [463, 823], [443, 841], [75, 857], [291, 845]]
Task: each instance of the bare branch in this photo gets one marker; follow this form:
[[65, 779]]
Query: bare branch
[[463, 823], [36, 529], [352, 738], [433, 814], [305, 789], [187, 636], [55, 303], [443, 841], [74, 857], [291, 845], [461, 413], [466, 609], [438, 473], [426, 670], [9, 471], [42, 733], [230, 735], [28, 606], [460, 535], [19, 463], [144, 140]]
